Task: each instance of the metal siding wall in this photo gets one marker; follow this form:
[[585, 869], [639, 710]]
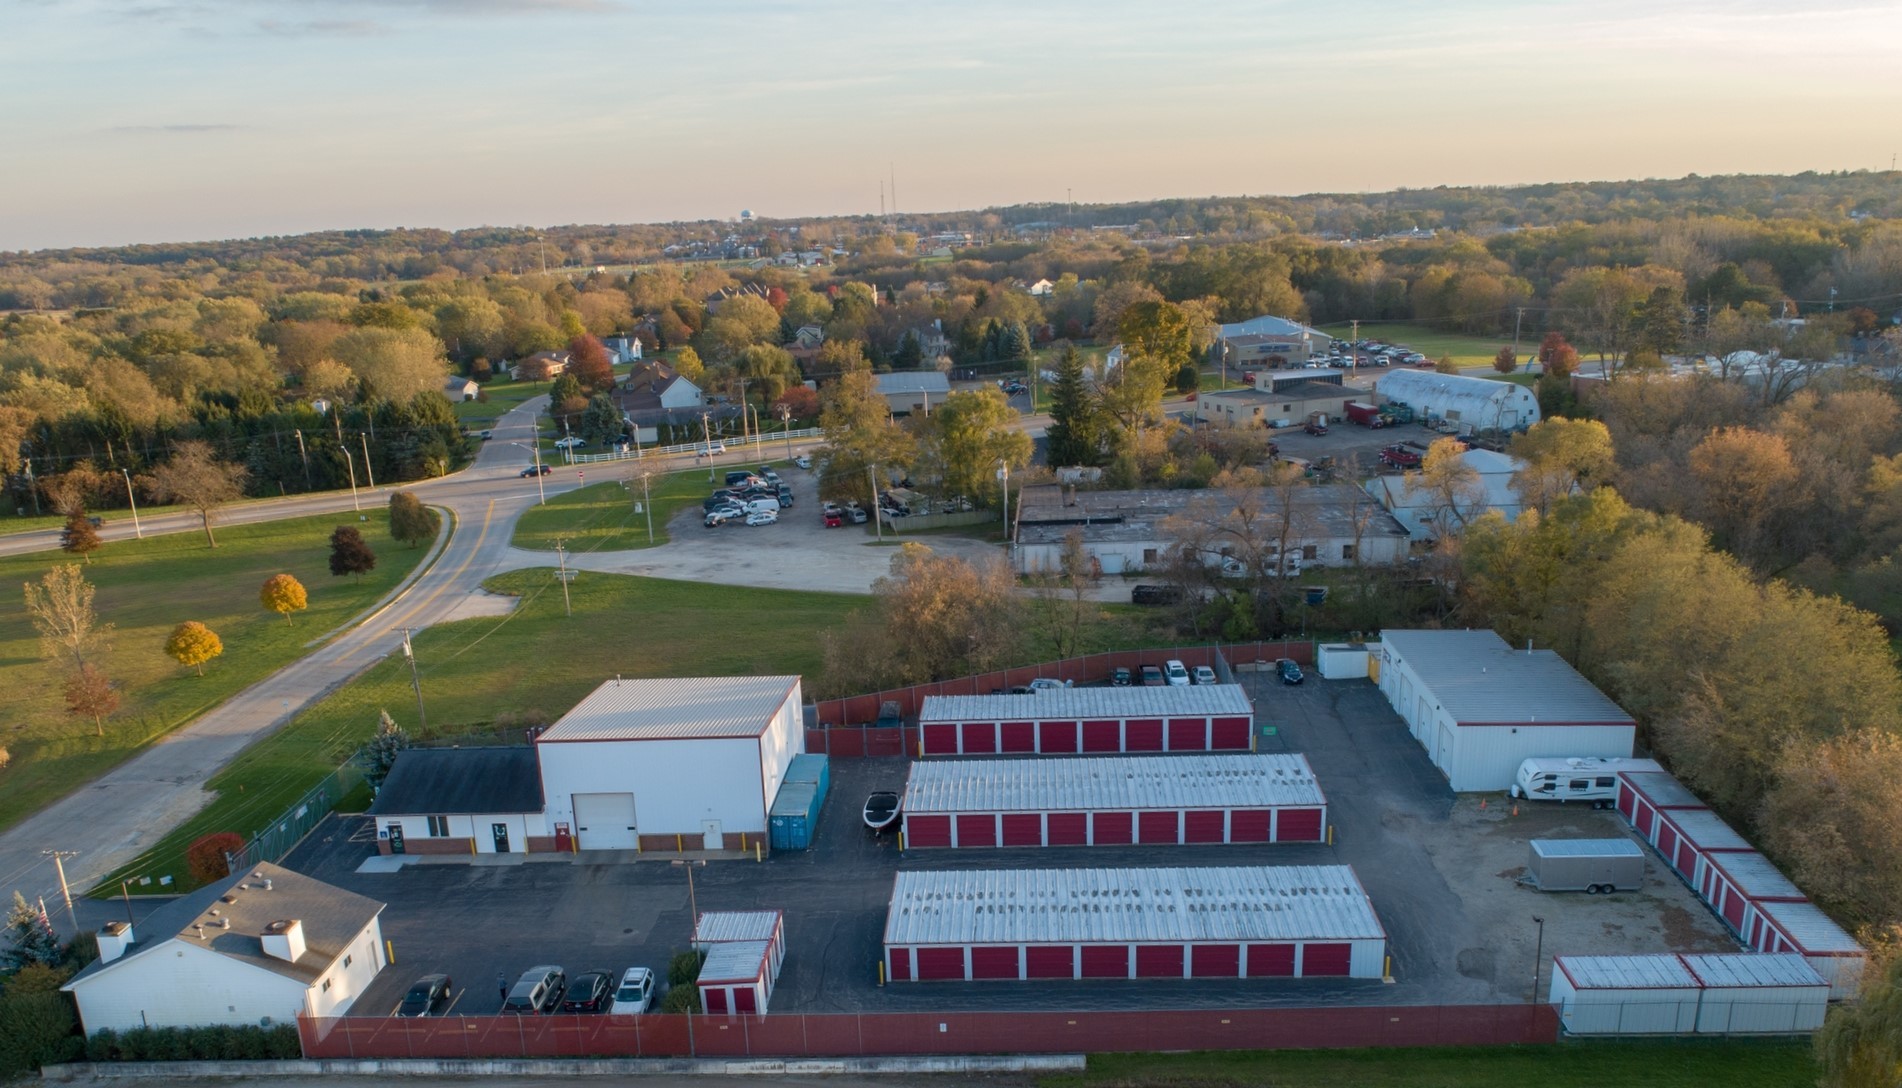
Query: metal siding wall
[[1489, 756]]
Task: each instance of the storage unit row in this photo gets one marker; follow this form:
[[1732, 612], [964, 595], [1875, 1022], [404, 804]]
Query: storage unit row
[[1670, 994], [1112, 800], [1069, 721], [1294, 921]]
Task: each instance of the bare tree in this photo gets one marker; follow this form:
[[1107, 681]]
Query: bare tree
[[196, 478], [1063, 596], [61, 607]]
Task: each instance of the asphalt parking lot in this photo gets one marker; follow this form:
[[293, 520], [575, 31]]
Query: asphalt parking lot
[[1441, 873]]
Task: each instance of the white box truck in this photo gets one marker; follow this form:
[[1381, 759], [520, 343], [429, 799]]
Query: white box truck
[[1578, 778], [1592, 866]]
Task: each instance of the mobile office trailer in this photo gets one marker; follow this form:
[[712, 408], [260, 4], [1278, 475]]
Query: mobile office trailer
[[1578, 778], [1585, 865]]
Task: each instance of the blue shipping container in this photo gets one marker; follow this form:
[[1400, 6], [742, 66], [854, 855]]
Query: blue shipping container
[[811, 768], [795, 816]]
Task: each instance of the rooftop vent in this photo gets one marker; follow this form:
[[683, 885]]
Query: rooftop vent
[[284, 940], [114, 937]]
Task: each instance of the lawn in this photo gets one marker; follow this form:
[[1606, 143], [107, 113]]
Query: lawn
[[1668, 1063], [1465, 350], [503, 673], [145, 588], [502, 396], [601, 517]]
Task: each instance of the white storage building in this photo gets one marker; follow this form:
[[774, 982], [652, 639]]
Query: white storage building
[[1469, 404], [1671, 994], [726, 926], [1292, 921], [670, 764], [1642, 795], [476, 800], [1804, 929], [1480, 707], [1113, 800], [1195, 718], [1751, 994], [737, 977], [1733, 882]]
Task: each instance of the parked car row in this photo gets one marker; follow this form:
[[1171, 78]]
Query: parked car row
[[547, 989], [749, 497], [833, 515]]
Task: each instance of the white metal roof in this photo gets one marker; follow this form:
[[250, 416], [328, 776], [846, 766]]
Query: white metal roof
[[1109, 906], [1431, 391], [1810, 928], [1586, 848], [1111, 782], [677, 708], [1723, 970], [1070, 704], [1662, 790], [1756, 876], [1706, 830], [1478, 679], [717, 926], [734, 961], [1663, 971]]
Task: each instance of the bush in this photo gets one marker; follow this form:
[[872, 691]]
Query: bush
[[682, 998], [36, 1029], [216, 1042], [205, 859], [684, 968]]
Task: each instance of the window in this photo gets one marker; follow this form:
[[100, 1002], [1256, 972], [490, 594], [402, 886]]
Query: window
[[438, 827], [1149, 555], [1579, 785], [326, 985], [1605, 783], [1452, 415], [1311, 551], [346, 962], [1347, 551]]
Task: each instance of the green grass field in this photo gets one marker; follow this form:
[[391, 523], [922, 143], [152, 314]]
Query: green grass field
[[601, 517], [1670, 1063], [145, 588], [484, 675], [502, 396], [1465, 350]]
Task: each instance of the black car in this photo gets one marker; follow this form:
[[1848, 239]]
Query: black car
[[427, 996], [589, 992], [1155, 595], [1120, 677], [1289, 672], [889, 715], [534, 470]]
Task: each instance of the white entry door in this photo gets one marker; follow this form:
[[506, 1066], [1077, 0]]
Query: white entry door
[[605, 821], [711, 838]]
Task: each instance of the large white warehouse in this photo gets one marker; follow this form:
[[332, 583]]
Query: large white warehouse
[[1480, 707], [1470, 404]]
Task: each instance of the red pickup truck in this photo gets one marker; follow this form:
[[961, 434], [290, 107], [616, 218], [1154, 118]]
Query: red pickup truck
[[1400, 457]]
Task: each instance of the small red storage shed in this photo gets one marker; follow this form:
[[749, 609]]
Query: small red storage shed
[[1643, 794], [737, 977], [1071, 721], [1686, 836], [1733, 881], [722, 926]]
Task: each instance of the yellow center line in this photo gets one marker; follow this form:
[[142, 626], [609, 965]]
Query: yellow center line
[[488, 515]]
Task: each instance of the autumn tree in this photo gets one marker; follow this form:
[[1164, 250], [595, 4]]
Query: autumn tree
[[1062, 596], [89, 694], [192, 644], [283, 594], [933, 617], [393, 364], [349, 554], [79, 537], [1160, 332], [859, 434], [1446, 365], [1833, 812], [195, 477], [687, 364], [1860, 1044], [1738, 478], [61, 609], [1561, 456], [592, 366], [410, 521], [207, 859], [967, 438], [1506, 360], [1451, 486]]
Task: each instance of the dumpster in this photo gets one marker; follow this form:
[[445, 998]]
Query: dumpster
[[795, 816]]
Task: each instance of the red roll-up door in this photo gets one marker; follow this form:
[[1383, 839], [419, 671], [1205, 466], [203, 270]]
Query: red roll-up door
[[1049, 961], [1734, 904], [1017, 737], [1646, 818], [1249, 825], [1023, 829], [941, 740], [743, 999], [1667, 841], [1112, 828], [1102, 737], [901, 964], [1055, 738], [1068, 829], [1215, 961], [1142, 735], [1627, 800], [1229, 734], [1324, 960], [979, 830], [1188, 734], [1203, 826], [940, 963], [1158, 961], [716, 998], [1270, 960], [1298, 825], [927, 831], [980, 738], [1105, 961], [994, 961], [1161, 828]]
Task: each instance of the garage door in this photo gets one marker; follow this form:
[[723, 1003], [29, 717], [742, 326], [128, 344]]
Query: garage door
[[1249, 825], [1023, 829], [1322, 960], [1627, 800], [1102, 737], [1158, 961], [1298, 825], [941, 740], [1158, 828], [1054, 737], [1069, 828], [1270, 960], [1049, 961], [716, 999], [928, 831], [940, 963], [1215, 960], [1112, 828], [1143, 735], [978, 830], [605, 821], [994, 961], [980, 738], [1188, 734], [1644, 820], [1229, 735], [1105, 961], [1733, 908], [1202, 826], [1017, 737]]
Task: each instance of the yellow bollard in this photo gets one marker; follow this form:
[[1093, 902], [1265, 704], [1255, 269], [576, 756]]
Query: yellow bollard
[[1386, 969], [901, 840], [1330, 834], [680, 844], [881, 972], [742, 842], [757, 856], [472, 848], [389, 952]]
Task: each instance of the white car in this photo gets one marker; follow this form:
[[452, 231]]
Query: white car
[[1202, 674], [1175, 673], [570, 443], [636, 993], [761, 517], [802, 461], [1044, 683], [712, 450]]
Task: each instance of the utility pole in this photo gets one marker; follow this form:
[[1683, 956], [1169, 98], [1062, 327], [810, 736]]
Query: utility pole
[[1353, 348], [305, 454], [415, 680], [59, 865], [367, 468], [871, 476], [706, 432], [1517, 319], [129, 497], [647, 504], [352, 464], [693, 907], [561, 557], [1003, 474], [785, 417]]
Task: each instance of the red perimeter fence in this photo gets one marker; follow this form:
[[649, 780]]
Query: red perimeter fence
[[863, 709], [885, 1034]]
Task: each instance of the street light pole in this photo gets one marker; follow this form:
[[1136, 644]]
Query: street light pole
[[693, 906], [1004, 475], [351, 462], [368, 469], [59, 865], [785, 416], [647, 504], [561, 557], [1538, 956], [133, 499], [706, 432], [305, 455], [871, 476], [415, 680]]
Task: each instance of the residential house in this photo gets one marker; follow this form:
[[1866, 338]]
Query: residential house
[[261, 947], [460, 388], [808, 337], [1042, 289], [1427, 518], [624, 349], [541, 366], [908, 391], [718, 298]]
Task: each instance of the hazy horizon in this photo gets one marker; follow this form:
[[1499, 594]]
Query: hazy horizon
[[149, 121]]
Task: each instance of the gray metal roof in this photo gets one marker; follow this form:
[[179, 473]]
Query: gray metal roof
[[1810, 928], [1662, 790], [1754, 969], [1099, 783], [1109, 906], [1586, 848], [1270, 325], [912, 381], [1430, 391], [1706, 830], [441, 781], [1479, 679], [678, 708], [1663, 971], [734, 961], [1070, 704], [1756, 876], [720, 926]]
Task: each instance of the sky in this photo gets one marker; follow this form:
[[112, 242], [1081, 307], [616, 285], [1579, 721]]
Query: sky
[[178, 120]]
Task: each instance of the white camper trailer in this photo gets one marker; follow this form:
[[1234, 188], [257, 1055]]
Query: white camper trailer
[[1579, 778]]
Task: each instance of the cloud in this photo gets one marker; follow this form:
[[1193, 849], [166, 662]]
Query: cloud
[[187, 127], [336, 28]]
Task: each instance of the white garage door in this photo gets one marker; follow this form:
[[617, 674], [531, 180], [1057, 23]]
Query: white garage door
[[605, 821]]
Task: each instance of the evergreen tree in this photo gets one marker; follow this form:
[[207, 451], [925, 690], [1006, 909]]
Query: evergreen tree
[[1013, 341], [601, 423], [378, 755], [30, 937], [1075, 434]]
